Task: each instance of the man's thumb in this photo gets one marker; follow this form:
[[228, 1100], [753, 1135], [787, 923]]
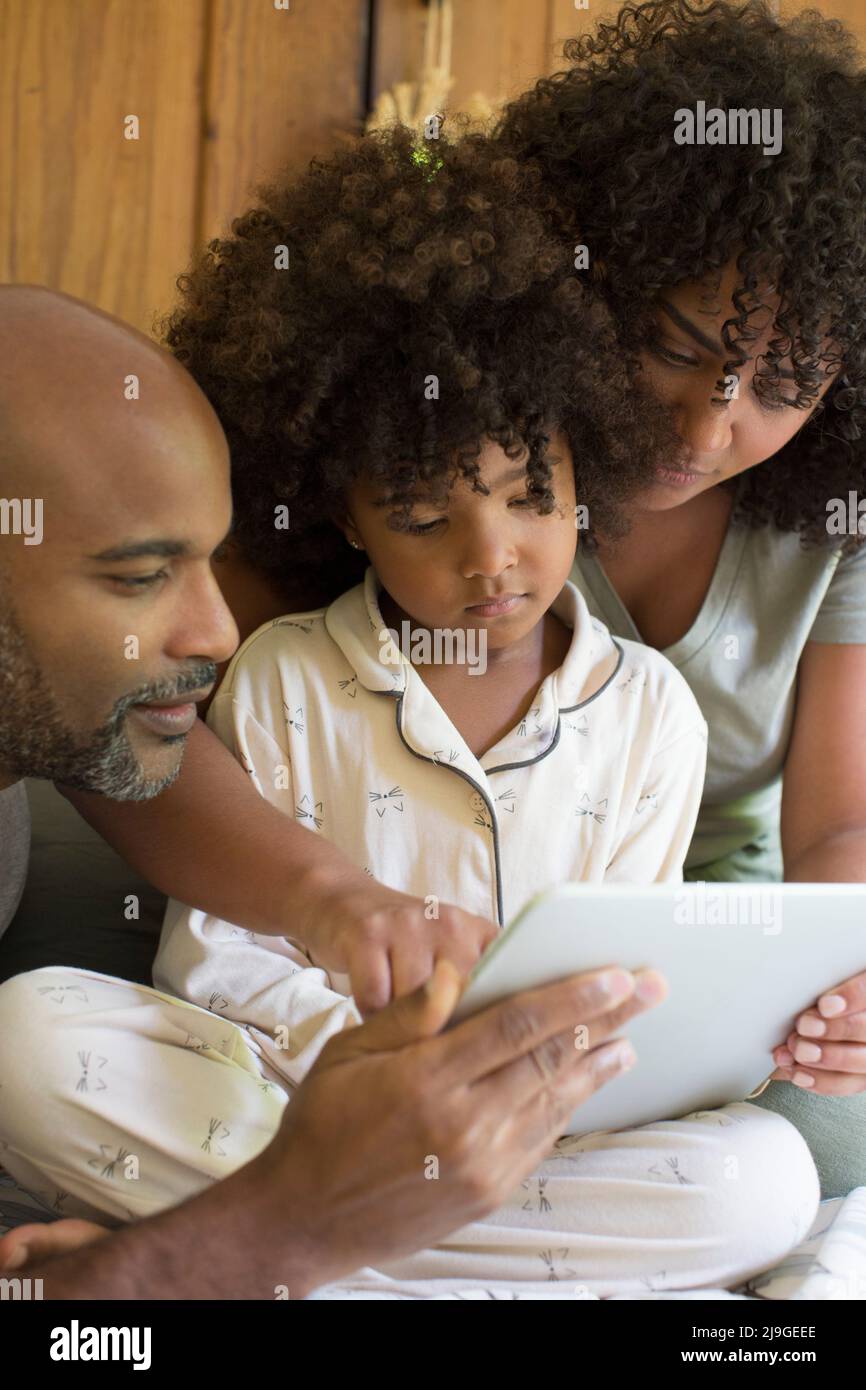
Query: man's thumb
[[413, 1016]]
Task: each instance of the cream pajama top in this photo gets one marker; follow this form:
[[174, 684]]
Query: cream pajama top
[[601, 780]]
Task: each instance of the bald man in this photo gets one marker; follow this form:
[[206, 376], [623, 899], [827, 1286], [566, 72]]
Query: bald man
[[101, 659], [111, 628]]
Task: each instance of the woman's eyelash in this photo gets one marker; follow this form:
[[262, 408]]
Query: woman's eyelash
[[676, 358], [424, 528], [768, 403]]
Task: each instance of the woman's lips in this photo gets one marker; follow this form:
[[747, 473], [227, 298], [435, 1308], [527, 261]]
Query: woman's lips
[[494, 610], [678, 477], [168, 720]]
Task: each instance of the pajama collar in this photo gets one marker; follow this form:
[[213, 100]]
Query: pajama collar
[[354, 622]]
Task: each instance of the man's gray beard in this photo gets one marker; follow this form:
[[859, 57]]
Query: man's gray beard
[[35, 742]]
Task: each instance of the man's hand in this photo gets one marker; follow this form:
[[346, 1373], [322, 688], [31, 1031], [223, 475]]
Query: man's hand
[[401, 1133], [826, 1051], [385, 941]]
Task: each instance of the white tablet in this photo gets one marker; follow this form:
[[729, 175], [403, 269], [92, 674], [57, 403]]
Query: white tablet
[[741, 961]]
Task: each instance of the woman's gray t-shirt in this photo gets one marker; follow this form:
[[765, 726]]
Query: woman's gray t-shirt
[[768, 597], [14, 849]]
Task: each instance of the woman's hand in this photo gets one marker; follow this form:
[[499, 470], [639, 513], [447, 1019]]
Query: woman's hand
[[826, 1052], [388, 942]]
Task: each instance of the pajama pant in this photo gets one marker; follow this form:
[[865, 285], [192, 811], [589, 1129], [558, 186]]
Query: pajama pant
[[118, 1101]]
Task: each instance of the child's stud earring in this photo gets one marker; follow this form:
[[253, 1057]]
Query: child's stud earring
[[356, 545]]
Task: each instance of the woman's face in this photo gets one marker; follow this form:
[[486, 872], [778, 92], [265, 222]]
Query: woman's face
[[683, 367]]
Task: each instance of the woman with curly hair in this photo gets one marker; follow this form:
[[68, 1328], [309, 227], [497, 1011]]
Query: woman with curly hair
[[739, 278]]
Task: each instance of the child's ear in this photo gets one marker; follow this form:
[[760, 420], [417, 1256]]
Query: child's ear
[[344, 523], [339, 519]]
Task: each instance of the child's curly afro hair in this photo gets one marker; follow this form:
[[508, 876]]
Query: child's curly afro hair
[[657, 214], [426, 305]]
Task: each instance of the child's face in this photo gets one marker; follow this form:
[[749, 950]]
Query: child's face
[[474, 546]]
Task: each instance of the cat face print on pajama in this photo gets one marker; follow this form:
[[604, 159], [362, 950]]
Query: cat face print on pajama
[[601, 780]]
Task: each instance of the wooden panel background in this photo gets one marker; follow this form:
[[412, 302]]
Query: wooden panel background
[[501, 46], [228, 92], [81, 208], [281, 88]]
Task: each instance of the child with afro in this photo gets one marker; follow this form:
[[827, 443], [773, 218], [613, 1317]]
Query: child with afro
[[426, 403]]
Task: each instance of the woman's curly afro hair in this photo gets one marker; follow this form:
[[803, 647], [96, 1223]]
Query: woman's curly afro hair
[[657, 214], [426, 305]]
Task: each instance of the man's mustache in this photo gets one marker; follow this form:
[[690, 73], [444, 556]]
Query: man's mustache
[[197, 680]]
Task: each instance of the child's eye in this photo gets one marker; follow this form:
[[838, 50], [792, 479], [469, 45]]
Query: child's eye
[[424, 528]]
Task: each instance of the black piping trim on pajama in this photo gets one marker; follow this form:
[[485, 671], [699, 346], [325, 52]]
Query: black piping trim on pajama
[[424, 759], [569, 709], [504, 767]]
